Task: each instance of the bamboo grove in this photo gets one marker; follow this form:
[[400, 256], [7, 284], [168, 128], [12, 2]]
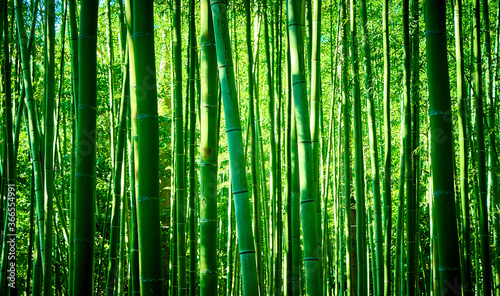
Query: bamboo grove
[[267, 147]]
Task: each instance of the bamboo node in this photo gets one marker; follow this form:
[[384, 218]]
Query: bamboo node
[[208, 271], [87, 37], [85, 107], [439, 193], [146, 116], [225, 66], [439, 112], [141, 34], [82, 241], [234, 129], [217, 2], [448, 268], [433, 32], [80, 175], [247, 252], [311, 259], [153, 280], [147, 198]]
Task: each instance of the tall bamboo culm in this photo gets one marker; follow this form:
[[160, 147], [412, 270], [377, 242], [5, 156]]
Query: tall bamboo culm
[[147, 150], [208, 153], [83, 276], [49, 143], [233, 131], [308, 207], [464, 154], [443, 195], [481, 151]]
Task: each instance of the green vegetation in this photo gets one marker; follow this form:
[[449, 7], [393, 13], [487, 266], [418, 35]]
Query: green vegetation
[[267, 147]]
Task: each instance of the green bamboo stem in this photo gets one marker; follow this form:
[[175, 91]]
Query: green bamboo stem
[[34, 138], [254, 149], [496, 200], [315, 102], [464, 154], [133, 245], [208, 154], [381, 252], [233, 131], [308, 203], [84, 225], [119, 290], [73, 46], [361, 232], [434, 247], [481, 151], [134, 276], [289, 179], [111, 83], [491, 177], [441, 143], [415, 130], [49, 143], [180, 182], [349, 258], [147, 170], [193, 258], [31, 240], [399, 259], [295, 207], [9, 183], [230, 243], [411, 287], [112, 276], [277, 132], [275, 276], [386, 186]]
